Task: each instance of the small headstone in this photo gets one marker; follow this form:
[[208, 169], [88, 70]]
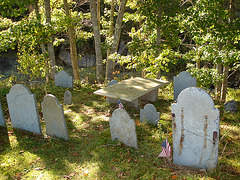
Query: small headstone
[[195, 126], [182, 81], [67, 97], [54, 117], [23, 109], [123, 128], [62, 79], [149, 114], [2, 118], [114, 81], [231, 106]]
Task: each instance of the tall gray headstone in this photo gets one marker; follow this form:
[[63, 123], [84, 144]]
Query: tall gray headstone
[[23, 109], [2, 118], [122, 127], [195, 126], [149, 114], [62, 79], [182, 81], [54, 117], [67, 97], [114, 81]]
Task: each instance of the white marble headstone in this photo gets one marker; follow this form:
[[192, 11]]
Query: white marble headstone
[[68, 97], [122, 127], [2, 118], [195, 126], [62, 79], [182, 81], [54, 117], [149, 114], [23, 109]]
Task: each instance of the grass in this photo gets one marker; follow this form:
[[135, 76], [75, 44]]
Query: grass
[[91, 154]]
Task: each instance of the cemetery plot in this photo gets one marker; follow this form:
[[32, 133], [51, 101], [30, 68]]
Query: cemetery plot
[[23, 110], [195, 126]]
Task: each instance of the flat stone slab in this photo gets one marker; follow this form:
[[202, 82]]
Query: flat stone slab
[[54, 117], [122, 127], [131, 89], [62, 79], [2, 118], [195, 126], [149, 114], [23, 109]]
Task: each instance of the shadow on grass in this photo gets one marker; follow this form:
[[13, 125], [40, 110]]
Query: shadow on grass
[[4, 139]]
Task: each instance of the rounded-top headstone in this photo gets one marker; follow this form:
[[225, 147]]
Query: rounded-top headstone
[[149, 114], [67, 97]]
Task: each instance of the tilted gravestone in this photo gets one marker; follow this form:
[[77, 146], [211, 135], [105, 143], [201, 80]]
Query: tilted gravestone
[[67, 97], [149, 114], [23, 109], [62, 79], [122, 127], [2, 118], [54, 117], [195, 126], [114, 81], [182, 81]]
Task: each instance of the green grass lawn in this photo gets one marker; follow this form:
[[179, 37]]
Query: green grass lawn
[[91, 154]]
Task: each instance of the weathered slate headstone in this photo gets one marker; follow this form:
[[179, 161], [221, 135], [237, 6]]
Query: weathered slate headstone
[[230, 106], [62, 79], [23, 109], [149, 114], [114, 81], [195, 126], [67, 97], [54, 117], [122, 127], [2, 118], [182, 81]]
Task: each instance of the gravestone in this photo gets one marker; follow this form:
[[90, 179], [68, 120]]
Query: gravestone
[[182, 81], [2, 119], [231, 106], [62, 79], [67, 97], [114, 81], [123, 128], [54, 117], [23, 109], [149, 114], [195, 126]]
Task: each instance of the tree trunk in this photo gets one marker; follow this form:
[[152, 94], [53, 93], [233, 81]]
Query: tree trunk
[[218, 85], [117, 33], [97, 39], [158, 39], [51, 53], [224, 83], [72, 37]]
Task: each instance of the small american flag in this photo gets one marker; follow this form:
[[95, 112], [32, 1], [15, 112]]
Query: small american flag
[[120, 105], [166, 149]]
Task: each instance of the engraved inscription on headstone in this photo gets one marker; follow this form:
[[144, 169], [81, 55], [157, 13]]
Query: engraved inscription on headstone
[[23, 109], [62, 79], [149, 114], [195, 126], [2, 118], [123, 128], [182, 81], [67, 97], [54, 117]]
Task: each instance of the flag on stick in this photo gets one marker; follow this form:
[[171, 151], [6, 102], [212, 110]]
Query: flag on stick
[[166, 149], [120, 105]]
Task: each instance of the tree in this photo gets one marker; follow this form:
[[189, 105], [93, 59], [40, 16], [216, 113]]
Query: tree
[[72, 38]]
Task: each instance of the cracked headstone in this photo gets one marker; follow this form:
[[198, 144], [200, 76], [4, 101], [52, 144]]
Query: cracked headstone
[[123, 128], [23, 109], [62, 79], [68, 98], [149, 114], [195, 127], [54, 117]]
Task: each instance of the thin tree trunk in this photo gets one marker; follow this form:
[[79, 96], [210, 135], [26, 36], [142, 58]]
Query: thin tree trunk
[[97, 39], [218, 85], [51, 53], [72, 37], [158, 39], [224, 83], [117, 33]]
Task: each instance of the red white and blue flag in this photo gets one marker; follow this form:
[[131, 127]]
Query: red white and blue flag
[[120, 105], [166, 149]]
